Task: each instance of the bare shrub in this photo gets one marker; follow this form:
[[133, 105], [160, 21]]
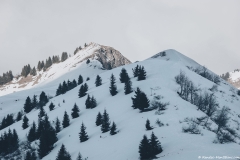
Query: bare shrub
[[192, 128]]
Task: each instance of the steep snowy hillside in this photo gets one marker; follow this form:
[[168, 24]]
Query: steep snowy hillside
[[160, 85], [103, 57]]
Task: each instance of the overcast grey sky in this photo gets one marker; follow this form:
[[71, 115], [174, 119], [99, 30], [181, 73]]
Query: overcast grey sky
[[207, 31]]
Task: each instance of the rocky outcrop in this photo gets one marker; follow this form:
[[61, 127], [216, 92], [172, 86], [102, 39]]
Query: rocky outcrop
[[108, 57]]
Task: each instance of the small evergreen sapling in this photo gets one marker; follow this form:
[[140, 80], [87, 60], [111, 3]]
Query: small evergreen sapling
[[51, 106], [99, 119], [75, 111], [83, 134], [148, 127], [79, 157], [66, 121]]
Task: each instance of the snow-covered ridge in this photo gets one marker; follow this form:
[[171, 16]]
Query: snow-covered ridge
[[161, 71], [95, 52]]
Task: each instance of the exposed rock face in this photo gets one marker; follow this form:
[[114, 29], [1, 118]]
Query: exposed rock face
[[235, 83], [108, 56]]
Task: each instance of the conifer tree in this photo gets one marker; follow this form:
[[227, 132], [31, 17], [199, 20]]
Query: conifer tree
[[93, 102], [43, 99], [113, 129], [140, 100], [33, 72], [39, 66], [87, 79], [98, 81], [99, 119], [80, 80], [15, 140], [41, 112], [74, 83], [83, 134], [32, 134], [135, 71], [51, 106], [33, 156], [40, 128], [66, 121], [64, 56], [155, 145], [88, 61], [64, 87], [28, 105], [34, 102], [63, 154], [128, 87], [141, 74], [82, 91], [136, 100], [28, 156], [124, 76], [144, 102], [88, 102], [57, 126], [113, 87], [59, 90], [105, 122], [69, 85], [75, 111], [148, 127], [79, 157], [85, 86], [25, 122], [47, 138], [144, 149], [19, 116]]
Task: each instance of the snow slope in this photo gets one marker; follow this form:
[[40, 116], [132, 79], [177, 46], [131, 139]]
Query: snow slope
[[68, 68], [131, 124]]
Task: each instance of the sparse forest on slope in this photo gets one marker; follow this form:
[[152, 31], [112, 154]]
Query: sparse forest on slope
[[165, 107]]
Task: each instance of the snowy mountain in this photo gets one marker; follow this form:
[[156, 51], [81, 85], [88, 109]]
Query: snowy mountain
[[102, 57], [162, 90]]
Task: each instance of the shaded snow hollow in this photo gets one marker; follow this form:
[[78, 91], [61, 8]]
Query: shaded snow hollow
[[130, 123]]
